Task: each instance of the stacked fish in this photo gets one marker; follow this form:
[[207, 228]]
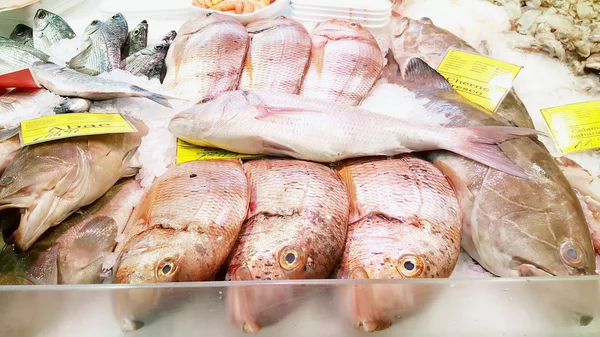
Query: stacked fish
[[363, 196]]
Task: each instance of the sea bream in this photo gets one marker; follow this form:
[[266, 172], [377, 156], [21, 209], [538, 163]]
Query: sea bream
[[295, 229], [118, 28], [264, 122], [512, 226], [48, 29], [47, 182], [74, 251], [15, 56], [186, 224], [345, 62], [421, 38], [289, 42], [206, 58], [100, 52], [22, 34], [137, 39]]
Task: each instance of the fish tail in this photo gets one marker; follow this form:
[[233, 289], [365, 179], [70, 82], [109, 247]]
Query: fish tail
[[481, 144], [158, 98]]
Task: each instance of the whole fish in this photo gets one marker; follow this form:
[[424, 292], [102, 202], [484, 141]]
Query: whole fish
[[67, 82], [295, 229], [405, 222], [278, 55], [145, 60], [9, 147], [101, 50], [22, 34], [15, 56], [48, 29], [160, 69], [74, 251], [47, 182], [118, 28], [263, 122], [344, 64], [511, 226], [186, 224], [136, 40], [206, 58], [422, 39]]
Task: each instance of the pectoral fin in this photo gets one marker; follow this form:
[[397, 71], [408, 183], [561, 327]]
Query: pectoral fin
[[95, 240]]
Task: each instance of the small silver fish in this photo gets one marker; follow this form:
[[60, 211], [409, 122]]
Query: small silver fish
[[49, 28], [101, 52], [136, 40], [22, 34]]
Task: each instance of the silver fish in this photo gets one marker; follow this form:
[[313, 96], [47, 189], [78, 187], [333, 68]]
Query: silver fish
[[101, 52], [22, 34], [136, 40], [118, 27], [146, 60], [49, 28], [15, 56], [73, 105]]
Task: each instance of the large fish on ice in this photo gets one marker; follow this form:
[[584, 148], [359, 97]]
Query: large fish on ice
[[421, 38], [405, 222], [74, 251], [186, 224], [344, 64], [47, 182], [278, 55], [511, 226], [206, 58], [263, 122], [295, 229]]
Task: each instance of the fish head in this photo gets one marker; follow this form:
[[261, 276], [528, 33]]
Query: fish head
[[336, 29], [21, 31], [160, 255], [422, 39], [118, 21], [287, 262], [170, 37], [33, 188], [42, 19], [93, 27], [141, 30]]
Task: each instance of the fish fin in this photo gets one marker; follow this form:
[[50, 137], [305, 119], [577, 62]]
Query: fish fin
[[484, 48], [273, 111], [158, 98], [275, 148], [391, 71], [96, 239], [528, 270], [80, 60], [480, 144], [8, 133], [419, 72], [44, 266], [132, 163], [346, 176]]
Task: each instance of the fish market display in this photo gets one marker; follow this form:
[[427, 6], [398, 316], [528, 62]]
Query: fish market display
[[146, 60], [345, 62], [68, 82], [496, 206], [185, 225], [290, 42], [22, 34], [101, 51], [15, 56], [264, 122], [49, 28], [405, 222], [136, 40], [118, 28], [47, 182], [295, 229], [74, 251], [206, 57], [421, 38]]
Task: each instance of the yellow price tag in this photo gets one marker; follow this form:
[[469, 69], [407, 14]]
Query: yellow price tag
[[189, 152], [55, 127], [575, 127], [481, 80]]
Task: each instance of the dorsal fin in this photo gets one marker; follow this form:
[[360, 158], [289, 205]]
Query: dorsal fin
[[419, 72]]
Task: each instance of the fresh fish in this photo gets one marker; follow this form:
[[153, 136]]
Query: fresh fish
[[74, 251], [101, 51], [345, 62], [186, 224], [263, 122], [144, 61], [48, 29], [206, 57], [278, 55], [70, 83], [405, 222], [170, 36], [118, 28], [73, 105], [511, 226], [295, 229], [421, 38], [47, 182], [15, 56], [10, 145], [160, 69], [22, 34], [136, 40]]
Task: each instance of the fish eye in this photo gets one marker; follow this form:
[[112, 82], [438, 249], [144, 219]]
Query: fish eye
[[290, 258], [208, 14], [353, 24], [206, 100], [136, 32], [410, 266], [20, 31], [95, 22], [5, 181], [159, 47], [166, 269], [571, 254]]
